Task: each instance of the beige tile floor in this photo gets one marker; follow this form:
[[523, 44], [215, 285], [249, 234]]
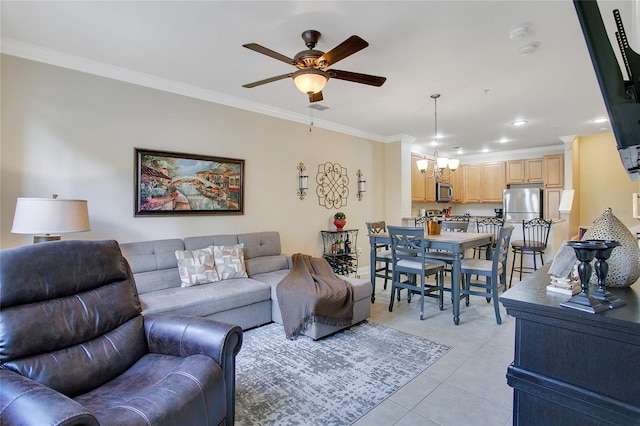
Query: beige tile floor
[[467, 386]]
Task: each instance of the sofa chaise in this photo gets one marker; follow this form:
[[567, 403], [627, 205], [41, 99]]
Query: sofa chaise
[[248, 301]]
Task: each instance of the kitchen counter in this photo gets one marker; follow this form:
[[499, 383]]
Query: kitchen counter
[[472, 219]]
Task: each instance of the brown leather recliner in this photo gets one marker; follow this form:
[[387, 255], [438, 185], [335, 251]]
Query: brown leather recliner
[[75, 349]]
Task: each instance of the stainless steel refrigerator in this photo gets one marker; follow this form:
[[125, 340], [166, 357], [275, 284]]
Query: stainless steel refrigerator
[[522, 203]]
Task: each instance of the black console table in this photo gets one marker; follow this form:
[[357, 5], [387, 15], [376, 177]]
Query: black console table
[[571, 367]]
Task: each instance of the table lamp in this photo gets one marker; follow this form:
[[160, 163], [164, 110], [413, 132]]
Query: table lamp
[[49, 217]]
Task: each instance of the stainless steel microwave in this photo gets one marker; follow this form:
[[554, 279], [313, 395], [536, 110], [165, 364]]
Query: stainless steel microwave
[[444, 192]]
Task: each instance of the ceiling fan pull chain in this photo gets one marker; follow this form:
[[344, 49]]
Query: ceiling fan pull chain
[[310, 118]]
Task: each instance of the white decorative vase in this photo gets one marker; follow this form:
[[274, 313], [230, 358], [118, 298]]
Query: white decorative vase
[[624, 262]]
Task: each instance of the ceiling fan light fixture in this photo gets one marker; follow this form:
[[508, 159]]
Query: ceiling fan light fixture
[[310, 80]]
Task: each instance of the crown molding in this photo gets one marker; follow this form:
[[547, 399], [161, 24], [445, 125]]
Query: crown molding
[[12, 47], [516, 154]]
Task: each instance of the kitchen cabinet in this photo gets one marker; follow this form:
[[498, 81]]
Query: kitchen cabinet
[[554, 171], [471, 185], [418, 182], [525, 171], [483, 183], [457, 180], [552, 203], [492, 182], [516, 171], [534, 170], [422, 189], [430, 190]]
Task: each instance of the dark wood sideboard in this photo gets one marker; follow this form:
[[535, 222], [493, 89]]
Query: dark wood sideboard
[[571, 367]]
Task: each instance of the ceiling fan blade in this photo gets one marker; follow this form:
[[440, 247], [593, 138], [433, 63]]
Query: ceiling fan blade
[[275, 55], [266, 80], [315, 97], [355, 77], [348, 47]]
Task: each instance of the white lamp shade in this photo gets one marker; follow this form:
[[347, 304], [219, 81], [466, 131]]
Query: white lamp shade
[[310, 81], [442, 162], [422, 164], [50, 216], [453, 163]]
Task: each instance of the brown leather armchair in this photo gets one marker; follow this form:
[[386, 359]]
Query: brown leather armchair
[[75, 349]]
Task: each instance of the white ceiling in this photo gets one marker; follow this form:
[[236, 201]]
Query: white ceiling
[[459, 49]]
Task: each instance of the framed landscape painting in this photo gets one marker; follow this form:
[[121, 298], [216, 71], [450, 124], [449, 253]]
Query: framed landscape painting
[[172, 183]]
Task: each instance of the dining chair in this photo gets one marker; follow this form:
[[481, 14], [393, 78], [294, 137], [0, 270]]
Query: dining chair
[[493, 270], [489, 225], [454, 226], [535, 234], [408, 248], [443, 255], [383, 253]]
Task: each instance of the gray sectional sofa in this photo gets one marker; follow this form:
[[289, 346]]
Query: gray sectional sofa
[[248, 302]]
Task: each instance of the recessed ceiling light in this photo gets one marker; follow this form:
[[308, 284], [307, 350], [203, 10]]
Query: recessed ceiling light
[[504, 140], [485, 149], [434, 143], [600, 120], [520, 32], [519, 123], [528, 49]]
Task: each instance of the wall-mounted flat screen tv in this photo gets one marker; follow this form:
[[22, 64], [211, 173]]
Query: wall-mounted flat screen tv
[[621, 96]]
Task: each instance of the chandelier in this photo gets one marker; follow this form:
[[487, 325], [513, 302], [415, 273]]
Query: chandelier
[[438, 169]]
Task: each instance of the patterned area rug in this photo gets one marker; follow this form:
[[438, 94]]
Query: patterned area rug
[[332, 381]]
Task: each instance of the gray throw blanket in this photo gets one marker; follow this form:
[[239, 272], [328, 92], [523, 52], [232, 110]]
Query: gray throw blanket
[[312, 292]]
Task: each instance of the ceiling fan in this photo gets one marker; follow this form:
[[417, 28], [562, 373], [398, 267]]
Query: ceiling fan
[[312, 73]]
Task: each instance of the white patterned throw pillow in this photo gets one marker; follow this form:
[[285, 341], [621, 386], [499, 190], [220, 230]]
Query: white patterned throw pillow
[[196, 267], [229, 261]]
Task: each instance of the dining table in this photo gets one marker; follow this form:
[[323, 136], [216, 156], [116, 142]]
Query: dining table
[[455, 242]]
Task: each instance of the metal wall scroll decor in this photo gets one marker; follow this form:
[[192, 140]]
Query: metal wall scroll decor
[[333, 185], [303, 181]]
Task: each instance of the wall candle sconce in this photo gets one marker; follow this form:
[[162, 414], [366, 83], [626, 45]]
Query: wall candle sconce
[[303, 181], [361, 182]]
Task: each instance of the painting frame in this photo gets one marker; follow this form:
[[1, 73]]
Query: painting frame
[[179, 184]]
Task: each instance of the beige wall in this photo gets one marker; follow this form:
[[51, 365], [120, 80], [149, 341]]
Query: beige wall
[[74, 134], [574, 215], [603, 181]]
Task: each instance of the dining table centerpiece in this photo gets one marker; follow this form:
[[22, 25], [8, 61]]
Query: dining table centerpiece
[[339, 220]]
